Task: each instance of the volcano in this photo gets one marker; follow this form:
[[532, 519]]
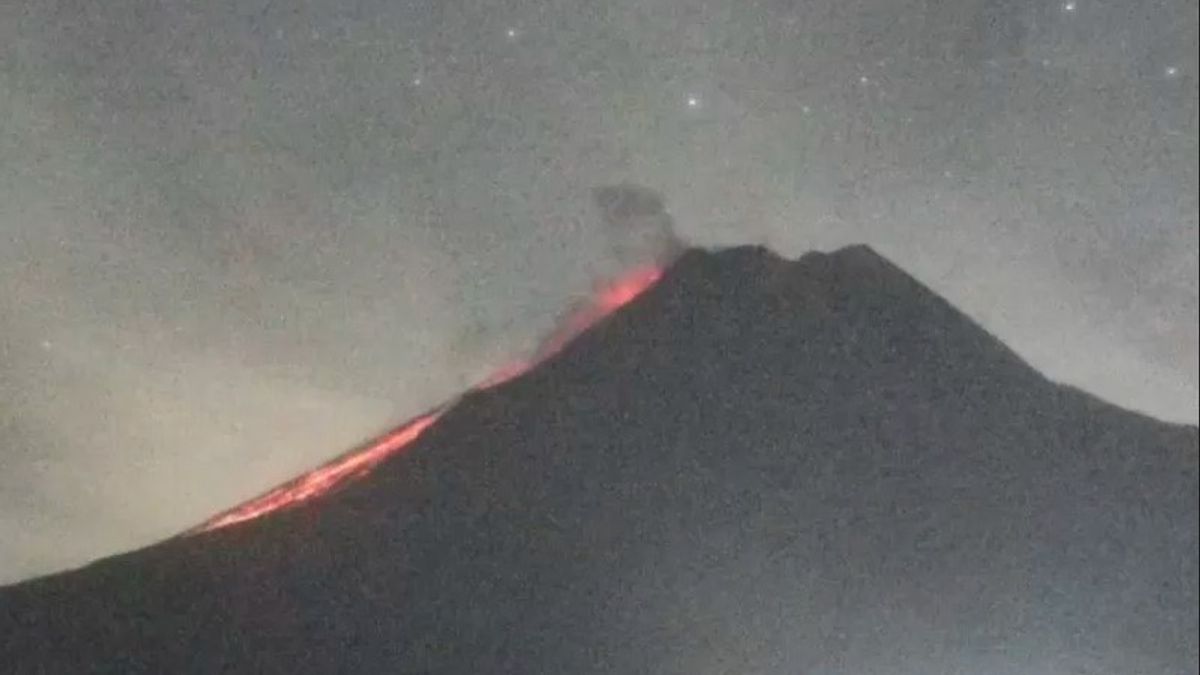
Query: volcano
[[755, 465]]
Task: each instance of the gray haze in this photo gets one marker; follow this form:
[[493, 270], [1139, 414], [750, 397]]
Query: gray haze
[[238, 237]]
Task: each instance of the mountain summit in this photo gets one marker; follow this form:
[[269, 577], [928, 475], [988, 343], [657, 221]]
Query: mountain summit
[[755, 466]]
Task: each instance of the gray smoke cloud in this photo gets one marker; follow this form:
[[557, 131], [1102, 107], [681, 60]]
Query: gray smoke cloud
[[638, 225], [238, 238]]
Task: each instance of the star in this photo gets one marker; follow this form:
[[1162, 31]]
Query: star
[[511, 33], [693, 102]]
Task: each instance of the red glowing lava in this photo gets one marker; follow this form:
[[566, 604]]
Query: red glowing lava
[[607, 300], [323, 479], [358, 462], [604, 302]]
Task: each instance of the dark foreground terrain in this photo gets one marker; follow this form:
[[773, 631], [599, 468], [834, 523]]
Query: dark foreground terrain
[[758, 466]]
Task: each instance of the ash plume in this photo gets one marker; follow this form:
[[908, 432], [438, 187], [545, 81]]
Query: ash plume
[[637, 224]]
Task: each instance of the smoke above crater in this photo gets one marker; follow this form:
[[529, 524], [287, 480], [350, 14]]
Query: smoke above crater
[[237, 241]]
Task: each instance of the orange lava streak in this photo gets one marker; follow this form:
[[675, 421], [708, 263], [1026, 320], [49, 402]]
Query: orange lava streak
[[321, 480], [356, 463], [606, 301]]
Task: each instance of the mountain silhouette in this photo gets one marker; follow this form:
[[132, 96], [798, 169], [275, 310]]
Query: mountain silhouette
[[758, 465]]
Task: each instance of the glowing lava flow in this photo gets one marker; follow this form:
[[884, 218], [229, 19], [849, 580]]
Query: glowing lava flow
[[604, 302], [321, 480], [358, 462]]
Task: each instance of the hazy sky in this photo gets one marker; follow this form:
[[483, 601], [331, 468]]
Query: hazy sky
[[237, 237]]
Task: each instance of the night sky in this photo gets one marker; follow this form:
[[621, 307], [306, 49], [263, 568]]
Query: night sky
[[238, 237]]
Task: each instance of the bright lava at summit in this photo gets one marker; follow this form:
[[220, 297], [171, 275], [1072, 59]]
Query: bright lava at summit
[[360, 461]]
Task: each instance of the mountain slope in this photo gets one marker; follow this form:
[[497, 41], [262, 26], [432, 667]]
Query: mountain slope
[[757, 466]]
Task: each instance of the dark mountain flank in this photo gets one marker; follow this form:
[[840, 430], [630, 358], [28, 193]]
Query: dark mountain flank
[[757, 466]]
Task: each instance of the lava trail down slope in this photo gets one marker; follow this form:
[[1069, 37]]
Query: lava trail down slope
[[337, 472], [755, 466]]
